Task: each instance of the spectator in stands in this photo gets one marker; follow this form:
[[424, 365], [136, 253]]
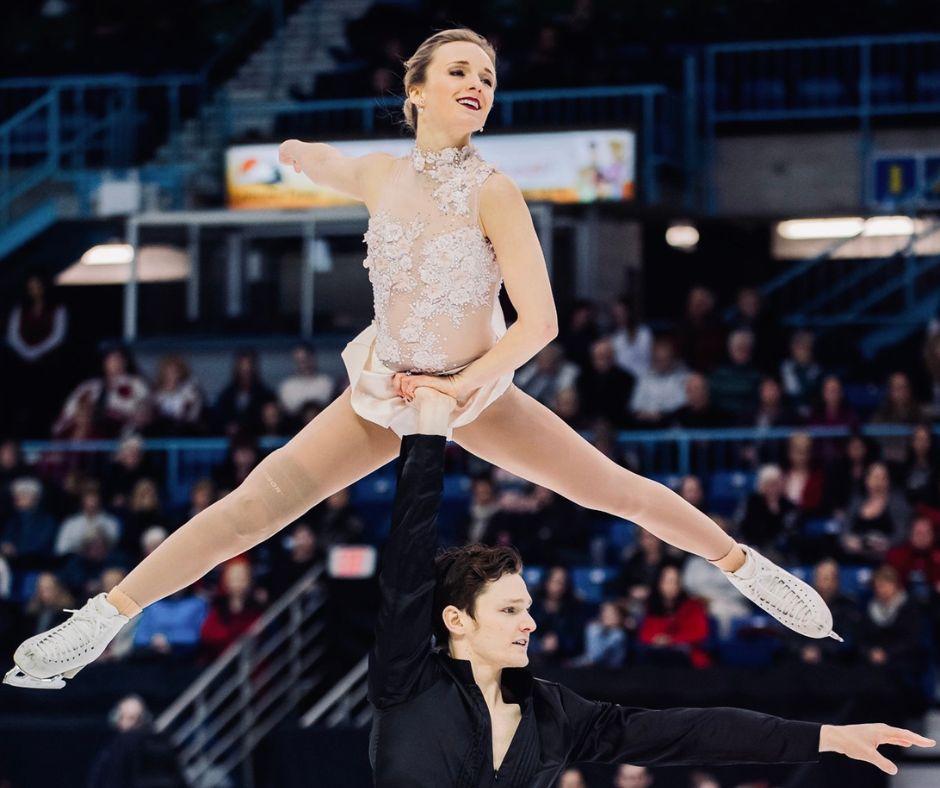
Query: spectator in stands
[[177, 399], [918, 473], [484, 506], [846, 618], [932, 370], [734, 385], [752, 315], [171, 626], [898, 407], [605, 639], [30, 532], [291, 562], [83, 568], [803, 480], [771, 410], [630, 776], [831, 409], [11, 467], [307, 384], [92, 517], [579, 333], [143, 512], [273, 420], [201, 496], [242, 457], [338, 521], [701, 338], [46, 607], [151, 539], [117, 401], [571, 778], [545, 375], [138, 756], [692, 490], [561, 618], [698, 412], [604, 389], [660, 392], [233, 611], [892, 632], [845, 477], [36, 333], [632, 340], [238, 407], [877, 519], [641, 568], [127, 468], [801, 375], [548, 527], [769, 520], [917, 560], [567, 406], [675, 627]]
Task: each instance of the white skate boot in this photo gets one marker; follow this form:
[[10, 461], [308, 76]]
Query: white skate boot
[[792, 602], [46, 660]]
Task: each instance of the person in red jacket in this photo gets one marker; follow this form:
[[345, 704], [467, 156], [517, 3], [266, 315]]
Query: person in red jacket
[[233, 612], [675, 624], [919, 557]]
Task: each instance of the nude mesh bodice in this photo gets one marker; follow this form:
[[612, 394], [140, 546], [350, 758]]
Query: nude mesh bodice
[[434, 275]]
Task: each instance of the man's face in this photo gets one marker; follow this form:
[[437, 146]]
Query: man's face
[[629, 776], [499, 632]]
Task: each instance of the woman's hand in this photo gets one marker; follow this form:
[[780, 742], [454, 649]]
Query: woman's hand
[[861, 742], [450, 385], [287, 153]]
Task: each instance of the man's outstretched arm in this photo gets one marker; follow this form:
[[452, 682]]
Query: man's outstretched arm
[[406, 582]]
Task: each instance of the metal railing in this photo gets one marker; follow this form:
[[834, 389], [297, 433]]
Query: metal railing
[[345, 704], [260, 679], [668, 451]]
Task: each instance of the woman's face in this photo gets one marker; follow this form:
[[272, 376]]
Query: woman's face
[[457, 94], [800, 450], [144, 498], [832, 391], [669, 586], [856, 449], [557, 583], [47, 588], [237, 578], [899, 390], [920, 441], [114, 364], [877, 479]]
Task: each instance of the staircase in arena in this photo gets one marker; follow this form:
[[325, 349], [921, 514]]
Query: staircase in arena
[[292, 58], [282, 661]]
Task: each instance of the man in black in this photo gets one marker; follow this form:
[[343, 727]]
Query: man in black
[[469, 714]]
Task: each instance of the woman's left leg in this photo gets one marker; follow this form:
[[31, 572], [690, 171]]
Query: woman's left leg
[[522, 436]]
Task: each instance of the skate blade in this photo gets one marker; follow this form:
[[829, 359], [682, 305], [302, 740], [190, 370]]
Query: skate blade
[[17, 678], [834, 636]]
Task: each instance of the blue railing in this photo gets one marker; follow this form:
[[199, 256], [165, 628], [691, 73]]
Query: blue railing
[[663, 454]]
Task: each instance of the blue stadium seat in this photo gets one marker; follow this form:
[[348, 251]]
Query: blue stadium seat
[[671, 480], [822, 526], [855, 581], [863, 397], [589, 581], [23, 586], [928, 85], [754, 642], [726, 489], [621, 534], [821, 91]]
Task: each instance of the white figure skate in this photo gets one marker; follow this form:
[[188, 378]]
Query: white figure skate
[[46, 660], [792, 602]]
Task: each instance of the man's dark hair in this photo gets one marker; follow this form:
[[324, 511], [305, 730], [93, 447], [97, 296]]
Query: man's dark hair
[[461, 575]]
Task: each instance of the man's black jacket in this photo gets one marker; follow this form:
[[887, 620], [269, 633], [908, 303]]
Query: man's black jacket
[[432, 728]]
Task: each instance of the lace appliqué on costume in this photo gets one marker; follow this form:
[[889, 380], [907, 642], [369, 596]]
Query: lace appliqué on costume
[[390, 244], [458, 272], [457, 171]]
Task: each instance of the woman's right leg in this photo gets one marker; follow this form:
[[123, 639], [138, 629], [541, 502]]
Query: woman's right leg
[[334, 450]]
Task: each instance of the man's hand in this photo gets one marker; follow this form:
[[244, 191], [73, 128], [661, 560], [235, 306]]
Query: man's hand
[[434, 409], [861, 742]]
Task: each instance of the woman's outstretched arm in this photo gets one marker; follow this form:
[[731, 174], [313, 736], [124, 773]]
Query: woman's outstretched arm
[[356, 176]]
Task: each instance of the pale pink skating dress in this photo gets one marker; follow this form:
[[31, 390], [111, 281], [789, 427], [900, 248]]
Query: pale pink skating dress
[[435, 284]]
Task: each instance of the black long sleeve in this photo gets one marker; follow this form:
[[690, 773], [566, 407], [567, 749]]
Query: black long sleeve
[[608, 733], [406, 582]]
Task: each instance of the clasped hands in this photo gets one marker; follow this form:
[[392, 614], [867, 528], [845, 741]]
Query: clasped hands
[[454, 385]]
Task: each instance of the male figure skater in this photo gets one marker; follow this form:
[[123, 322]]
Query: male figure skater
[[469, 714]]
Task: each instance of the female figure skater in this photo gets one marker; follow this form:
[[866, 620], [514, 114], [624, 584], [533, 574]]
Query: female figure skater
[[445, 229], [469, 714]]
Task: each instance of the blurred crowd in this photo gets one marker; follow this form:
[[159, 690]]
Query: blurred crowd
[[856, 515]]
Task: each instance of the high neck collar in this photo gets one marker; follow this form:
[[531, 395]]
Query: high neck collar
[[424, 160]]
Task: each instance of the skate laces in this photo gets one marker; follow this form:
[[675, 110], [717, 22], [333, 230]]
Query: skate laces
[[64, 640]]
